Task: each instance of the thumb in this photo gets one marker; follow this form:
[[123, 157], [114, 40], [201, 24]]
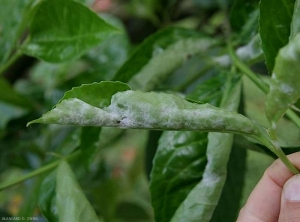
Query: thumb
[[290, 200]]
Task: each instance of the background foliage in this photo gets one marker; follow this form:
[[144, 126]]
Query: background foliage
[[83, 58]]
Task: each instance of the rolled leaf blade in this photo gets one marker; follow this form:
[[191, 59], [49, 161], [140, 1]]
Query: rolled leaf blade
[[149, 110], [285, 82]]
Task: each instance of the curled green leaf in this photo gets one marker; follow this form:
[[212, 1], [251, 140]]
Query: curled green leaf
[[149, 110]]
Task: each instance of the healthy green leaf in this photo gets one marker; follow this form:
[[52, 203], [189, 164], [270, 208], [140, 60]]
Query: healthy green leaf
[[71, 30], [285, 82], [159, 55], [295, 25], [133, 109], [200, 203], [71, 202], [274, 22], [178, 166]]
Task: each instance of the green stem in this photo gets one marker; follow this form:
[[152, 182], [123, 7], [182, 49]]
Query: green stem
[[284, 159], [11, 61], [247, 71], [37, 172]]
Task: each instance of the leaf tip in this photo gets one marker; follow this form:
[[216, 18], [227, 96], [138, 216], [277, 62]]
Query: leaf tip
[[32, 122]]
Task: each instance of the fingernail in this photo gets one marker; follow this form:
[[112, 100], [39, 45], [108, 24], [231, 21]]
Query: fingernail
[[291, 190]]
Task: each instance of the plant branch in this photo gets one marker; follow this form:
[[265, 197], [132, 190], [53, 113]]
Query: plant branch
[[284, 159], [37, 172]]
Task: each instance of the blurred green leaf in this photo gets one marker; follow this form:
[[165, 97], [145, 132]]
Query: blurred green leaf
[[165, 50], [209, 91], [71, 30], [295, 25], [107, 58], [241, 12], [146, 9], [285, 82], [9, 112], [131, 211], [9, 95], [71, 202], [178, 166], [274, 27], [47, 197], [88, 145], [31, 197], [12, 19], [51, 76]]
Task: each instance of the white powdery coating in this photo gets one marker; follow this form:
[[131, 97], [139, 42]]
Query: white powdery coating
[[286, 89], [76, 112], [131, 109], [166, 111]]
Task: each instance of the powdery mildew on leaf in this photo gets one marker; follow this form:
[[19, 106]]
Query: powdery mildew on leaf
[[76, 112], [285, 83], [132, 109]]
